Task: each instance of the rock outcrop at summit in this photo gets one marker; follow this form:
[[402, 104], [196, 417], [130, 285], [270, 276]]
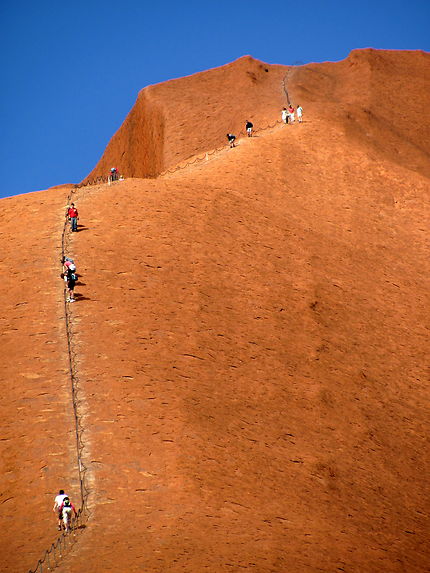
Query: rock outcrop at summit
[[180, 118], [380, 97]]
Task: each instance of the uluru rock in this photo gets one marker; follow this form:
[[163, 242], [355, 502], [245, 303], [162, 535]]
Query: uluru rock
[[249, 337]]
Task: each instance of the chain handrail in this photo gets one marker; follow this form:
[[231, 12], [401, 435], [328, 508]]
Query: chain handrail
[[213, 151], [65, 540], [105, 179], [74, 378], [58, 548], [95, 181], [197, 158]]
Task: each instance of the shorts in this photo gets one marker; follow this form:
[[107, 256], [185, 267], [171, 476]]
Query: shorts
[[71, 285], [249, 129]]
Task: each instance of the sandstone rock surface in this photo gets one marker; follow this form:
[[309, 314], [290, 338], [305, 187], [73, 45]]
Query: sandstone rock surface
[[251, 333]]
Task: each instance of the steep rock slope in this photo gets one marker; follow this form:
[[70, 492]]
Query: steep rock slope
[[380, 97], [37, 443], [179, 118], [255, 330], [251, 334]]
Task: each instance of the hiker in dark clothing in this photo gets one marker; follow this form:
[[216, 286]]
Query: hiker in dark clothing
[[231, 139], [71, 281]]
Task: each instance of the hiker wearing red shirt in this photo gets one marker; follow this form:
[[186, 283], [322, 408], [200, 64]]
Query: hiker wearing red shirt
[[72, 214], [291, 111]]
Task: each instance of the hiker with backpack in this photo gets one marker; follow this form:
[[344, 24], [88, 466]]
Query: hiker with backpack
[[66, 509], [248, 126], [67, 262], [70, 277], [58, 502]]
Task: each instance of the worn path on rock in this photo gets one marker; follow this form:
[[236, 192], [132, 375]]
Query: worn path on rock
[[251, 333], [38, 447], [257, 363]]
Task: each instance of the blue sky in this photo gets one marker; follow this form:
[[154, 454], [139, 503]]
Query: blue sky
[[72, 70]]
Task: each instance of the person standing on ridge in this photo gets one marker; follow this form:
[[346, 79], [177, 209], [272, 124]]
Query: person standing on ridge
[[249, 127], [72, 213], [231, 139], [284, 115], [299, 112], [291, 111], [58, 502]]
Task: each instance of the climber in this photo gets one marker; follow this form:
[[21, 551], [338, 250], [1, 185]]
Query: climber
[[66, 509], [58, 502], [114, 175], [231, 139], [72, 214]]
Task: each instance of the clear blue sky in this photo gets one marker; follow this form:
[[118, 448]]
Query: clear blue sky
[[71, 71]]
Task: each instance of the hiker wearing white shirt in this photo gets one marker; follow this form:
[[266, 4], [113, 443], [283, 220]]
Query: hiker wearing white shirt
[[299, 112], [284, 115], [58, 503]]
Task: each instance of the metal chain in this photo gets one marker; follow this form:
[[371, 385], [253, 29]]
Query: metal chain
[[241, 133], [83, 512]]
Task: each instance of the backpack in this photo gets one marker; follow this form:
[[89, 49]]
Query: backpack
[[73, 276]]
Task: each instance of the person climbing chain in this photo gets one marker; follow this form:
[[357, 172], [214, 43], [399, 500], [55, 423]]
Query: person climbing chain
[[58, 502]]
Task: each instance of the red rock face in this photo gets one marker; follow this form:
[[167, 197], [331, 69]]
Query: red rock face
[[251, 346], [180, 118], [38, 446], [379, 97]]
